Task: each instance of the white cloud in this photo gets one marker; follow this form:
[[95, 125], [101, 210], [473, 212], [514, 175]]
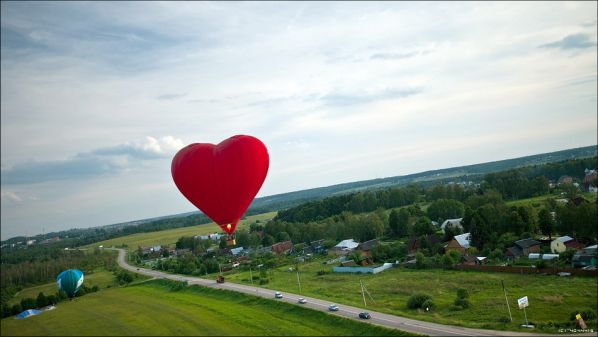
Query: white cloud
[[10, 197], [337, 92]]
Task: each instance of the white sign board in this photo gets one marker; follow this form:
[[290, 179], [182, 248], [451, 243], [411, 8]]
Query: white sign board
[[523, 302]]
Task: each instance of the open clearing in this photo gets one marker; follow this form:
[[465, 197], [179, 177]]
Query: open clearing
[[551, 298], [154, 308], [101, 278]]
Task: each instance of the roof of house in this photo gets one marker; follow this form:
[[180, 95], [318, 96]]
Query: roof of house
[[514, 251], [464, 240], [280, 246], [564, 239], [452, 222], [236, 251], [574, 244], [347, 244], [526, 243], [368, 244]]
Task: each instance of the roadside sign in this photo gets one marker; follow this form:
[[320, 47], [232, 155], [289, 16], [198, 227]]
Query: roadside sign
[[581, 322], [523, 302]]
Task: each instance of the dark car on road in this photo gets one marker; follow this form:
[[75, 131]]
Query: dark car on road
[[364, 315]]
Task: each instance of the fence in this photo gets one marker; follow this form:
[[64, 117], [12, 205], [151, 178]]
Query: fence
[[528, 270], [363, 270]]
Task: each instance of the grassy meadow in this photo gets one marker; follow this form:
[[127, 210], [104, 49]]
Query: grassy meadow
[[159, 308], [170, 236], [551, 298]]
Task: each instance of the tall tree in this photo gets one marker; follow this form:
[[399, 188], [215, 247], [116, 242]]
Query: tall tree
[[393, 222], [403, 223], [546, 222]]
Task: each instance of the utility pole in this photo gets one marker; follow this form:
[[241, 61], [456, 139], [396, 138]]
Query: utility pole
[[298, 282], [362, 294], [250, 275], [506, 300]]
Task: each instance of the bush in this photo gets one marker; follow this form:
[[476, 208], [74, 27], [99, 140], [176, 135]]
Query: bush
[[462, 293], [52, 299], [417, 300], [503, 319], [124, 277], [323, 272], [541, 264], [455, 308], [447, 261], [428, 305], [420, 260], [178, 285], [263, 281], [462, 302], [587, 314], [16, 309], [41, 300], [27, 303]]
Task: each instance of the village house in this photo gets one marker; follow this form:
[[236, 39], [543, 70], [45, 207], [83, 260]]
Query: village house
[[451, 223], [236, 251], [282, 247], [590, 179], [523, 248], [585, 257], [344, 247], [366, 247], [459, 243], [565, 180], [563, 243], [213, 236], [413, 245]]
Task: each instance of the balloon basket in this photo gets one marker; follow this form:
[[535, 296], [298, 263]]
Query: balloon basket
[[230, 240]]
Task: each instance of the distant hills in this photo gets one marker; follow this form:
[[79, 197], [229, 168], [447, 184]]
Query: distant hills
[[462, 174], [472, 173]]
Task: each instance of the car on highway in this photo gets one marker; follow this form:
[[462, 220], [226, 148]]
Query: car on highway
[[278, 294], [333, 307], [364, 315], [302, 301]]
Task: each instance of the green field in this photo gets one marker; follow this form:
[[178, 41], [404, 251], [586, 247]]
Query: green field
[[539, 201], [552, 298], [154, 308], [101, 278], [170, 236]]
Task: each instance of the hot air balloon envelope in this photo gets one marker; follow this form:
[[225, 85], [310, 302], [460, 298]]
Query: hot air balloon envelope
[[222, 180], [70, 281]]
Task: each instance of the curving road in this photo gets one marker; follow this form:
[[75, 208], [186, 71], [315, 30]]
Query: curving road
[[386, 320]]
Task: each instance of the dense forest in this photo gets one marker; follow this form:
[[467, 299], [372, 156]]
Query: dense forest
[[483, 208]]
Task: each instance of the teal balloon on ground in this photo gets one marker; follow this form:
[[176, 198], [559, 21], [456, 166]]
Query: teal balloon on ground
[[70, 281]]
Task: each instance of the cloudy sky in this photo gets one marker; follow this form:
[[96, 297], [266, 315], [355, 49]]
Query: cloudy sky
[[97, 97]]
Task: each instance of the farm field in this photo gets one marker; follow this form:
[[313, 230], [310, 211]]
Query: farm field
[[552, 298], [160, 308], [538, 201], [170, 236]]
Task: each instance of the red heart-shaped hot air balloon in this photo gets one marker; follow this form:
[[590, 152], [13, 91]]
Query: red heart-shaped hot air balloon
[[222, 180]]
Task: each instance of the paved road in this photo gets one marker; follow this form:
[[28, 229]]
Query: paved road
[[386, 320]]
